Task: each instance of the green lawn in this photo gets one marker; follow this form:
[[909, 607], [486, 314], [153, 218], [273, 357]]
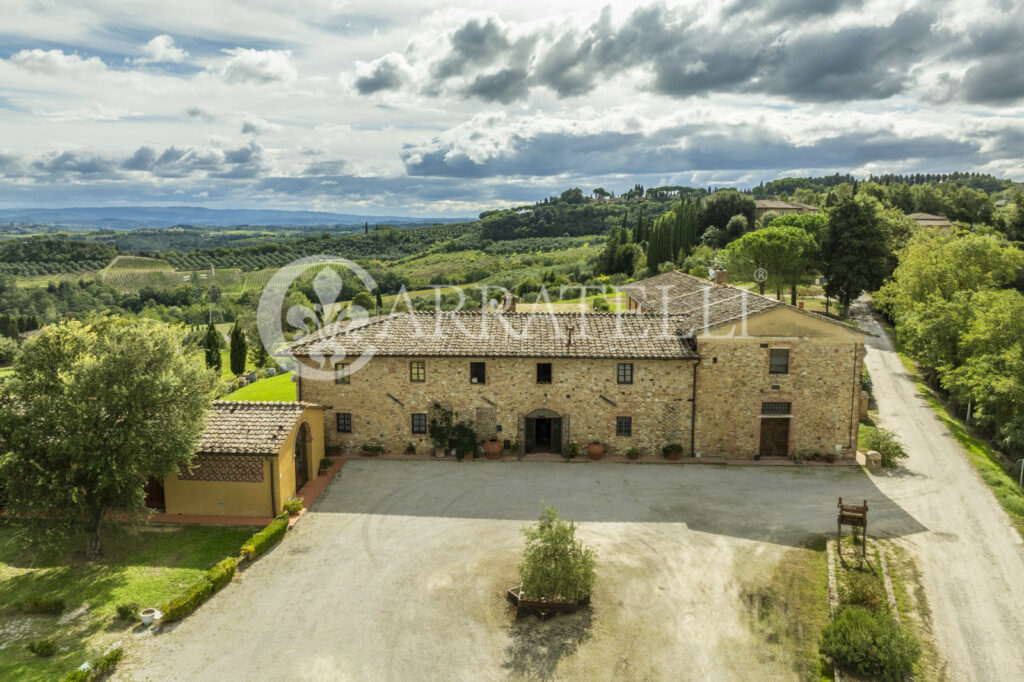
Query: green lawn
[[146, 565], [280, 387]]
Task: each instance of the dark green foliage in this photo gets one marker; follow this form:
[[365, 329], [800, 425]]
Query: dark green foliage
[[886, 444], [325, 463], [862, 588], [557, 218], [46, 605], [77, 676], [718, 208], [620, 253], [870, 643], [239, 349], [673, 235], [107, 663], [42, 647], [222, 573], [672, 449], [212, 343], [856, 251], [183, 605], [633, 453], [128, 611], [266, 538], [45, 256]]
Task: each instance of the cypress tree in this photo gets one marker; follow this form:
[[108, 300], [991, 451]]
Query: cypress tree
[[239, 350], [380, 302], [211, 346]]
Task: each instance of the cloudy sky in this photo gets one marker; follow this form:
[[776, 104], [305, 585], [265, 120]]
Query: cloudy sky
[[399, 107]]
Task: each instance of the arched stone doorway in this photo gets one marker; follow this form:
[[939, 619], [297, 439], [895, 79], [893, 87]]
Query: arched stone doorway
[[542, 432], [302, 440]]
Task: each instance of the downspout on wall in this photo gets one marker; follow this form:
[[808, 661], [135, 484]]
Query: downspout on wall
[[693, 410]]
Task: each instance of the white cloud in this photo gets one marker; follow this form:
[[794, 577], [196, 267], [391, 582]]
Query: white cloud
[[161, 49], [96, 112], [259, 66], [56, 62]]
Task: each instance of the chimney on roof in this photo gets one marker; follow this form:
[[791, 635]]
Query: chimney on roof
[[509, 304], [721, 276]]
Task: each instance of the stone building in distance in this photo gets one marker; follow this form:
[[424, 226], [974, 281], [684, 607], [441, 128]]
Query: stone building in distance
[[712, 367]]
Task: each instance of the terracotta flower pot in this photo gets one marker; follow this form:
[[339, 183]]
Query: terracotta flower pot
[[595, 450], [439, 452], [830, 458], [492, 448], [675, 456]]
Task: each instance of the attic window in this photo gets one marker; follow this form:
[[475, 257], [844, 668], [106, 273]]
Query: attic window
[[778, 361], [625, 373], [543, 372], [341, 374], [478, 373]]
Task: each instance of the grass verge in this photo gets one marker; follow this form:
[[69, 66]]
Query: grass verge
[[145, 565], [789, 611], [280, 387]]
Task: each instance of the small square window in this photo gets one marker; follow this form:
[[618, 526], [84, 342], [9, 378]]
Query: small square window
[[344, 422], [776, 408], [625, 373], [543, 372], [778, 361], [477, 373], [417, 370], [623, 426], [419, 422], [341, 374]]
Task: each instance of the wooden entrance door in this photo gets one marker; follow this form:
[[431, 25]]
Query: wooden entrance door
[[155, 494], [301, 457], [774, 437], [542, 432]]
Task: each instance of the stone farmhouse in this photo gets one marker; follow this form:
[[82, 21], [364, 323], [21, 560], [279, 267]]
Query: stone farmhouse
[[709, 366], [780, 207]]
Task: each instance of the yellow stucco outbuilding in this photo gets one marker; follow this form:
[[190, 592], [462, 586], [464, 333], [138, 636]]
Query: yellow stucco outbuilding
[[252, 458]]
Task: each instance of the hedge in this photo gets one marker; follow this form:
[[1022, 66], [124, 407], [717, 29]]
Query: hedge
[[99, 669], [869, 643], [265, 539], [49, 605], [179, 607], [222, 573]]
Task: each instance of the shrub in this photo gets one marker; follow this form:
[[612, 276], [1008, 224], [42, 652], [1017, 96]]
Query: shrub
[[293, 507], [555, 565], [42, 647], [265, 539], [107, 662], [871, 644], [861, 589], [410, 449], [48, 605], [77, 676], [633, 453], [325, 464], [372, 448], [672, 449], [572, 450], [128, 610], [222, 573], [886, 444], [601, 305], [181, 606]]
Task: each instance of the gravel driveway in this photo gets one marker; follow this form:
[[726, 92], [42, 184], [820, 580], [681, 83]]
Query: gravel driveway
[[971, 558], [398, 572]]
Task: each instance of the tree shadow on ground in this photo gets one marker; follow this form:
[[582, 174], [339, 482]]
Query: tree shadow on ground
[[538, 646]]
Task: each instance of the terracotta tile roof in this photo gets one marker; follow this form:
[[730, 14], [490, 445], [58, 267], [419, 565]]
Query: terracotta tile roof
[[779, 204], [250, 428], [540, 335], [929, 219], [700, 304]]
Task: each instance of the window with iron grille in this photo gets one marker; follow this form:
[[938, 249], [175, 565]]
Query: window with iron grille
[[543, 372], [623, 426], [478, 373], [625, 373], [419, 422], [341, 375], [778, 361], [776, 408], [418, 370], [344, 422]]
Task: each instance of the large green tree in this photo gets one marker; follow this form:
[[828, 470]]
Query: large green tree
[[856, 251], [785, 254], [90, 414], [716, 209]]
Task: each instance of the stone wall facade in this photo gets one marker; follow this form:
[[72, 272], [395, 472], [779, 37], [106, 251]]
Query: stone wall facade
[[585, 393], [822, 385]]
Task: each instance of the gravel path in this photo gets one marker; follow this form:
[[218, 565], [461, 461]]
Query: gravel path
[[971, 558], [398, 573]]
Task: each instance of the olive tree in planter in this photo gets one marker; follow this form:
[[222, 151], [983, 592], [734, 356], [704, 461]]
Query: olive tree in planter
[[556, 566]]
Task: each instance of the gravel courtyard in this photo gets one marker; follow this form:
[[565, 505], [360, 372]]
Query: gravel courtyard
[[399, 569]]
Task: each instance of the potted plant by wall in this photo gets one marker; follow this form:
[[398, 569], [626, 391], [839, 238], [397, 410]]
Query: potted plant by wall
[[672, 451], [325, 464], [439, 428], [410, 449], [633, 453], [492, 448], [465, 440], [572, 450], [147, 616], [595, 449]]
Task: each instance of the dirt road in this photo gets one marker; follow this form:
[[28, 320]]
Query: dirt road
[[971, 558]]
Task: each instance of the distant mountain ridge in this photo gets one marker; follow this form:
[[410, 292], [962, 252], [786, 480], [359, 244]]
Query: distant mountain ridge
[[133, 217]]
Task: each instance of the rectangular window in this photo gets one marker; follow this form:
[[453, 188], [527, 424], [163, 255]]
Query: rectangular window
[[778, 361], [543, 372], [417, 370], [341, 375], [344, 422], [419, 422], [776, 408], [477, 373], [625, 374], [623, 426]]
